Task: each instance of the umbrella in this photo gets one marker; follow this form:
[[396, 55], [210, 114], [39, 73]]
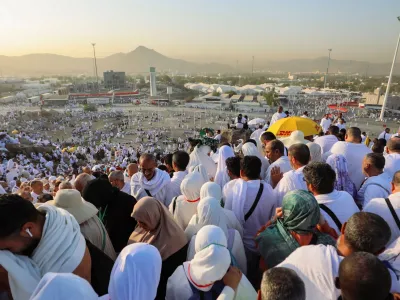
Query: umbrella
[[15, 131], [257, 121], [284, 127]]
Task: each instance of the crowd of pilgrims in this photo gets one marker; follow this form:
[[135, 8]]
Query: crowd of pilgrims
[[303, 217]]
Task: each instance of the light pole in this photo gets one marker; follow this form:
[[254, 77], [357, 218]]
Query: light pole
[[95, 64], [390, 79], [327, 69], [252, 68]]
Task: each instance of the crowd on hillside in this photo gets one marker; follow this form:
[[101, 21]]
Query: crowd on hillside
[[302, 217]]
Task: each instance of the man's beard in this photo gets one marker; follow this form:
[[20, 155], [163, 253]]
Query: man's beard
[[29, 250]]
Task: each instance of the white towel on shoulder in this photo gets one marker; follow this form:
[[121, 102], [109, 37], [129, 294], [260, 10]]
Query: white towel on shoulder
[[60, 250]]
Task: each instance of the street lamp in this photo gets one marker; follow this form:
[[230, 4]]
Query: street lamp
[[95, 64], [327, 69], [390, 80]]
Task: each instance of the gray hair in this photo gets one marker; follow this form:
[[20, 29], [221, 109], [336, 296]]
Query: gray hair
[[367, 232], [65, 185], [116, 175], [282, 284]]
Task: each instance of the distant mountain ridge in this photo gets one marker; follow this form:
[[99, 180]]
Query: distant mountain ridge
[[142, 58], [137, 61]]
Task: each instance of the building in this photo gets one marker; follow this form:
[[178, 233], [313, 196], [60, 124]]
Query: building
[[153, 83], [292, 77], [114, 80], [55, 100], [375, 100]]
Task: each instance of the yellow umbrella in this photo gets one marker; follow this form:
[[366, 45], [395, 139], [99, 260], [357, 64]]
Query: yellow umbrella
[[15, 131], [72, 149], [284, 127], [65, 149]]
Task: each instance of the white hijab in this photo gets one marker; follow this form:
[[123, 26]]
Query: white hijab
[[201, 170], [249, 149], [209, 212], [211, 189], [199, 157], [221, 177], [315, 152], [191, 185], [63, 286], [136, 273], [212, 258]]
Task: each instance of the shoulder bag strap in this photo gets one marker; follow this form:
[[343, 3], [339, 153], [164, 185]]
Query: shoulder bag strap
[[148, 193], [377, 184], [332, 215], [253, 207], [393, 212], [174, 205]]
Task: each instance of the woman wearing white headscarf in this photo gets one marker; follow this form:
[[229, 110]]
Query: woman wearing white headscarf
[[185, 206], [205, 271], [201, 170], [136, 273], [315, 152], [209, 212], [199, 156], [213, 190], [249, 149], [221, 177], [63, 286]]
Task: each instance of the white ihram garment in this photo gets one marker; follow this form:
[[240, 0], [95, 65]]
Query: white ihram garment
[[157, 186], [61, 250], [292, 180], [63, 286]]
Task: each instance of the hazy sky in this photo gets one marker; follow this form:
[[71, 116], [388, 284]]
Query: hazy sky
[[203, 30]]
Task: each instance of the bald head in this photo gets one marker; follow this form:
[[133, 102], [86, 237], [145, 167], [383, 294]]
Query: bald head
[[87, 170], [81, 181], [393, 145], [363, 276], [132, 169]]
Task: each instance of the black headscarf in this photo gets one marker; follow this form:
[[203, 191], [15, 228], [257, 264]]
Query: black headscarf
[[99, 192]]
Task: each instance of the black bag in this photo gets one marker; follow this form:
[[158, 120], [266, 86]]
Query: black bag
[[101, 269]]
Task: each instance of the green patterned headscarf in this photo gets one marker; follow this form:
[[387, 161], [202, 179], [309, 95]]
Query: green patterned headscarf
[[300, 211], [301, 215]]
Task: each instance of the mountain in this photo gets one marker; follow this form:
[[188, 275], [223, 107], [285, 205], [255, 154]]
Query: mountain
[[320, 64], [137, 61]]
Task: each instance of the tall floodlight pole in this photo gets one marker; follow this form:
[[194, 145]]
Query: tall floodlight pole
[[327, 69], [95, 64], [390, 79], [252, 68]]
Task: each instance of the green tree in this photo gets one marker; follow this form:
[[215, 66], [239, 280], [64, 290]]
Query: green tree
[[89, 107]]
